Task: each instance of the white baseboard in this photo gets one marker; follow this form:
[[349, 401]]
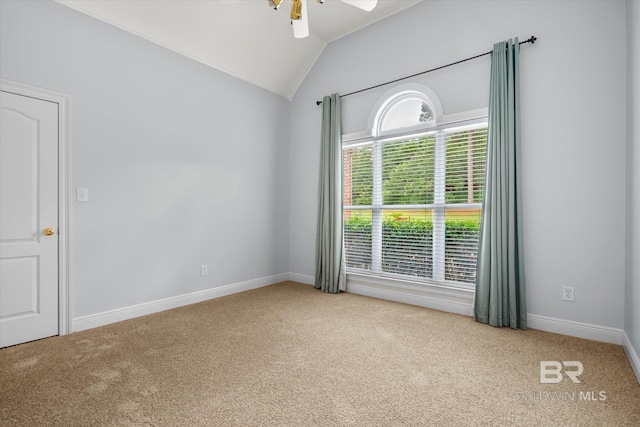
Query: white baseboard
[[130, 312], [302, 278], [461, 302], [632, 355], [575, 329], [412, 296], [444, 301], [422, 299]]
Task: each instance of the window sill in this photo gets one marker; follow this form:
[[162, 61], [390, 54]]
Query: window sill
[[452, 299]]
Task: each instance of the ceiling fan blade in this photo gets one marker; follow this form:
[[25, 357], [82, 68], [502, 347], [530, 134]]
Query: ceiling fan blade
[[301, 26], [367, 5]]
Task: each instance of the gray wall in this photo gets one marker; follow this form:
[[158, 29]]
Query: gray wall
[[185, 165], [573, 130], [632, 293]]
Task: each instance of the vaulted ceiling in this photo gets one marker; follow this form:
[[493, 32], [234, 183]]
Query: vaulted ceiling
[[245, 38]]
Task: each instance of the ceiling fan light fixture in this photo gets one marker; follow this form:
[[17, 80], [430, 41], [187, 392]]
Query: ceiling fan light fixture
[[296, 10], [301, 26], [299, 19], [275, 3]]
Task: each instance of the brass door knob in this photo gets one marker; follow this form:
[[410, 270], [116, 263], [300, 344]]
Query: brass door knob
[[48, 231]]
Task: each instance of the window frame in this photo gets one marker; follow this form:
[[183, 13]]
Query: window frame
[[375, 137]]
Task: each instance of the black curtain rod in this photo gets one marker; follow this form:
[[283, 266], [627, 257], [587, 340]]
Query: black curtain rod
[[531, 40]]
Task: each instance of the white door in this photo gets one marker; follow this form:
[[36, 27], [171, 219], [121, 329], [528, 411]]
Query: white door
[[28, 219]]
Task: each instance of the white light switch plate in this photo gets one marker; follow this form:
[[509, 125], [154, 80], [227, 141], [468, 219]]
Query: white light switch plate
[[82, 194]]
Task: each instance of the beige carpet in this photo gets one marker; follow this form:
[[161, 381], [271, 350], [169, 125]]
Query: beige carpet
[[288, 355]]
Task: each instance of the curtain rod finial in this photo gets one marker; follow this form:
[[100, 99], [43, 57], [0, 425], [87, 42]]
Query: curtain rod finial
[[318, 102]]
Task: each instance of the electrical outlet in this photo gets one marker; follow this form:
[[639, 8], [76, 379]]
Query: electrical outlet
[[567, 293], [204, 270]]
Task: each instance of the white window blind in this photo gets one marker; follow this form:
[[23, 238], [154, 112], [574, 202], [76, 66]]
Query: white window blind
[[412, 206]]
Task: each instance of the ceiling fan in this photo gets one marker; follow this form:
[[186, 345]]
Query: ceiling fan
[[299, 17]]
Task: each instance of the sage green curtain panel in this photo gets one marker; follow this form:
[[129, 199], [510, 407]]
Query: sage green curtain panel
[[500, 284], [330, 265]]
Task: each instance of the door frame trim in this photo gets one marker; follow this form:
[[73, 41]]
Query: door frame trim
[[64, 189]]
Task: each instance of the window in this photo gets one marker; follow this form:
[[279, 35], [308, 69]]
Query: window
[[413, 194]]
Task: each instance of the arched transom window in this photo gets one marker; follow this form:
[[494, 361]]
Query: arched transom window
[[404, 111], [413, 191]]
